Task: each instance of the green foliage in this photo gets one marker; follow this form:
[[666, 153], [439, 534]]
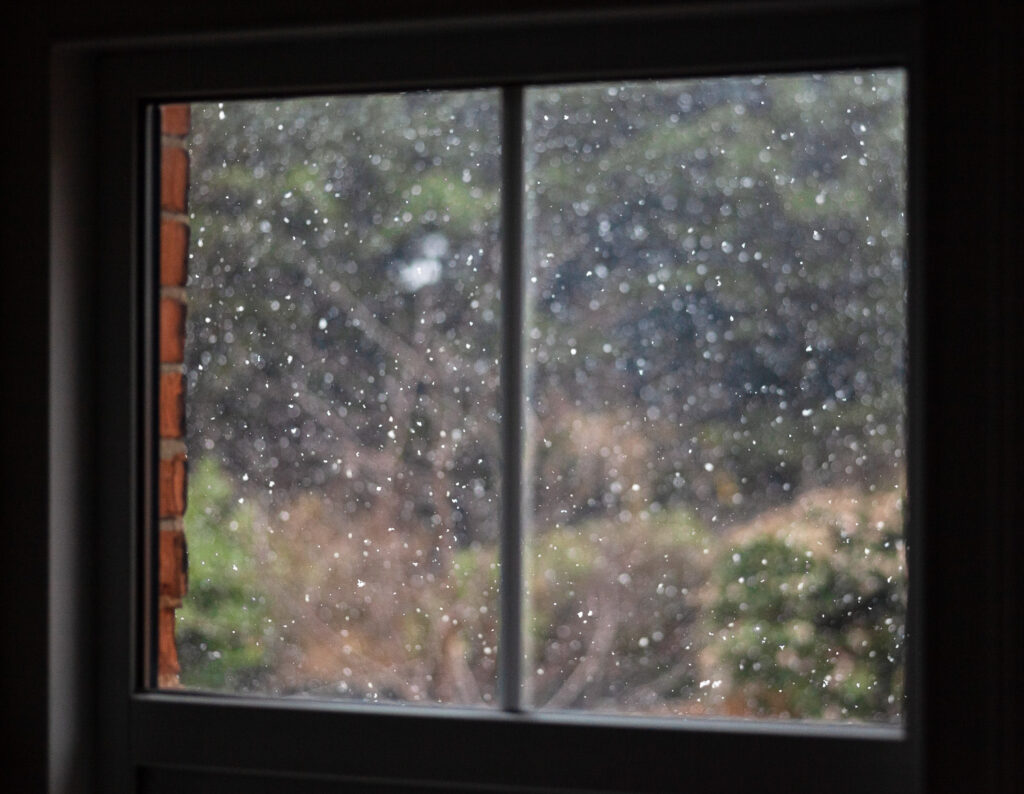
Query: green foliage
[[807, 611], [729, 253], [715, 329], [222, 623], [308, 215]]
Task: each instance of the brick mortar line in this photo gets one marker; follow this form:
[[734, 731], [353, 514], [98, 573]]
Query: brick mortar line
[[176, 524], [175, 293], [180, 217], [171, 447], [174, 141], [176, 369]]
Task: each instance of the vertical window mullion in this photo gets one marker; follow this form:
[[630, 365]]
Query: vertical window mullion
[[512, 383]]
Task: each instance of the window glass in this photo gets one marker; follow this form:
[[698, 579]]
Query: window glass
[[716, 358], [342, 377]]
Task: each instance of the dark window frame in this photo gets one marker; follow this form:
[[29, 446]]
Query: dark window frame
[[166, 736]]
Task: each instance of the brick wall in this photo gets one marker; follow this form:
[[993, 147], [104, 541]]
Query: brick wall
[[174, 234]]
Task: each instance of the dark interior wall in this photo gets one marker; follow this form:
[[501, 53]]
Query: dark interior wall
[[971, 209], [972, 422]]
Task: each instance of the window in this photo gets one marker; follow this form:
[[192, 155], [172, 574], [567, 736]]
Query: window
[[714, 334], [381, 744]]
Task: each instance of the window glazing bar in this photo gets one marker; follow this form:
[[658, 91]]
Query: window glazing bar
[[510, 645]]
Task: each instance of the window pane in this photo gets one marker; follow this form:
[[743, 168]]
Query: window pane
[[342, 379], [716, 361]]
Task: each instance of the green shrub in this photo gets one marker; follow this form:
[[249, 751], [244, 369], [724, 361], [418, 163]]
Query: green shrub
[[806, 608], [222, 623]]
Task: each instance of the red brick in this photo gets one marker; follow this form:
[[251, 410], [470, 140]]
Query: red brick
[[172, 405], [172, 487], [175, 119], [173, 253], [167, 667], [174, 166], [172, 331], [173, 179], [173, 583]]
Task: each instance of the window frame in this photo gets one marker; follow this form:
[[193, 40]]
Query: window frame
[[167, 737]]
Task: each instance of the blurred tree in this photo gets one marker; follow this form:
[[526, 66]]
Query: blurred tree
[[716, 329], [719, 265], [344, 293]]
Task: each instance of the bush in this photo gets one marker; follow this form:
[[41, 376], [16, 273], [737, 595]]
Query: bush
[[615, 610], [806, 606]]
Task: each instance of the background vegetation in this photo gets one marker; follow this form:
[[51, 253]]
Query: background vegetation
[[716, 367]]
